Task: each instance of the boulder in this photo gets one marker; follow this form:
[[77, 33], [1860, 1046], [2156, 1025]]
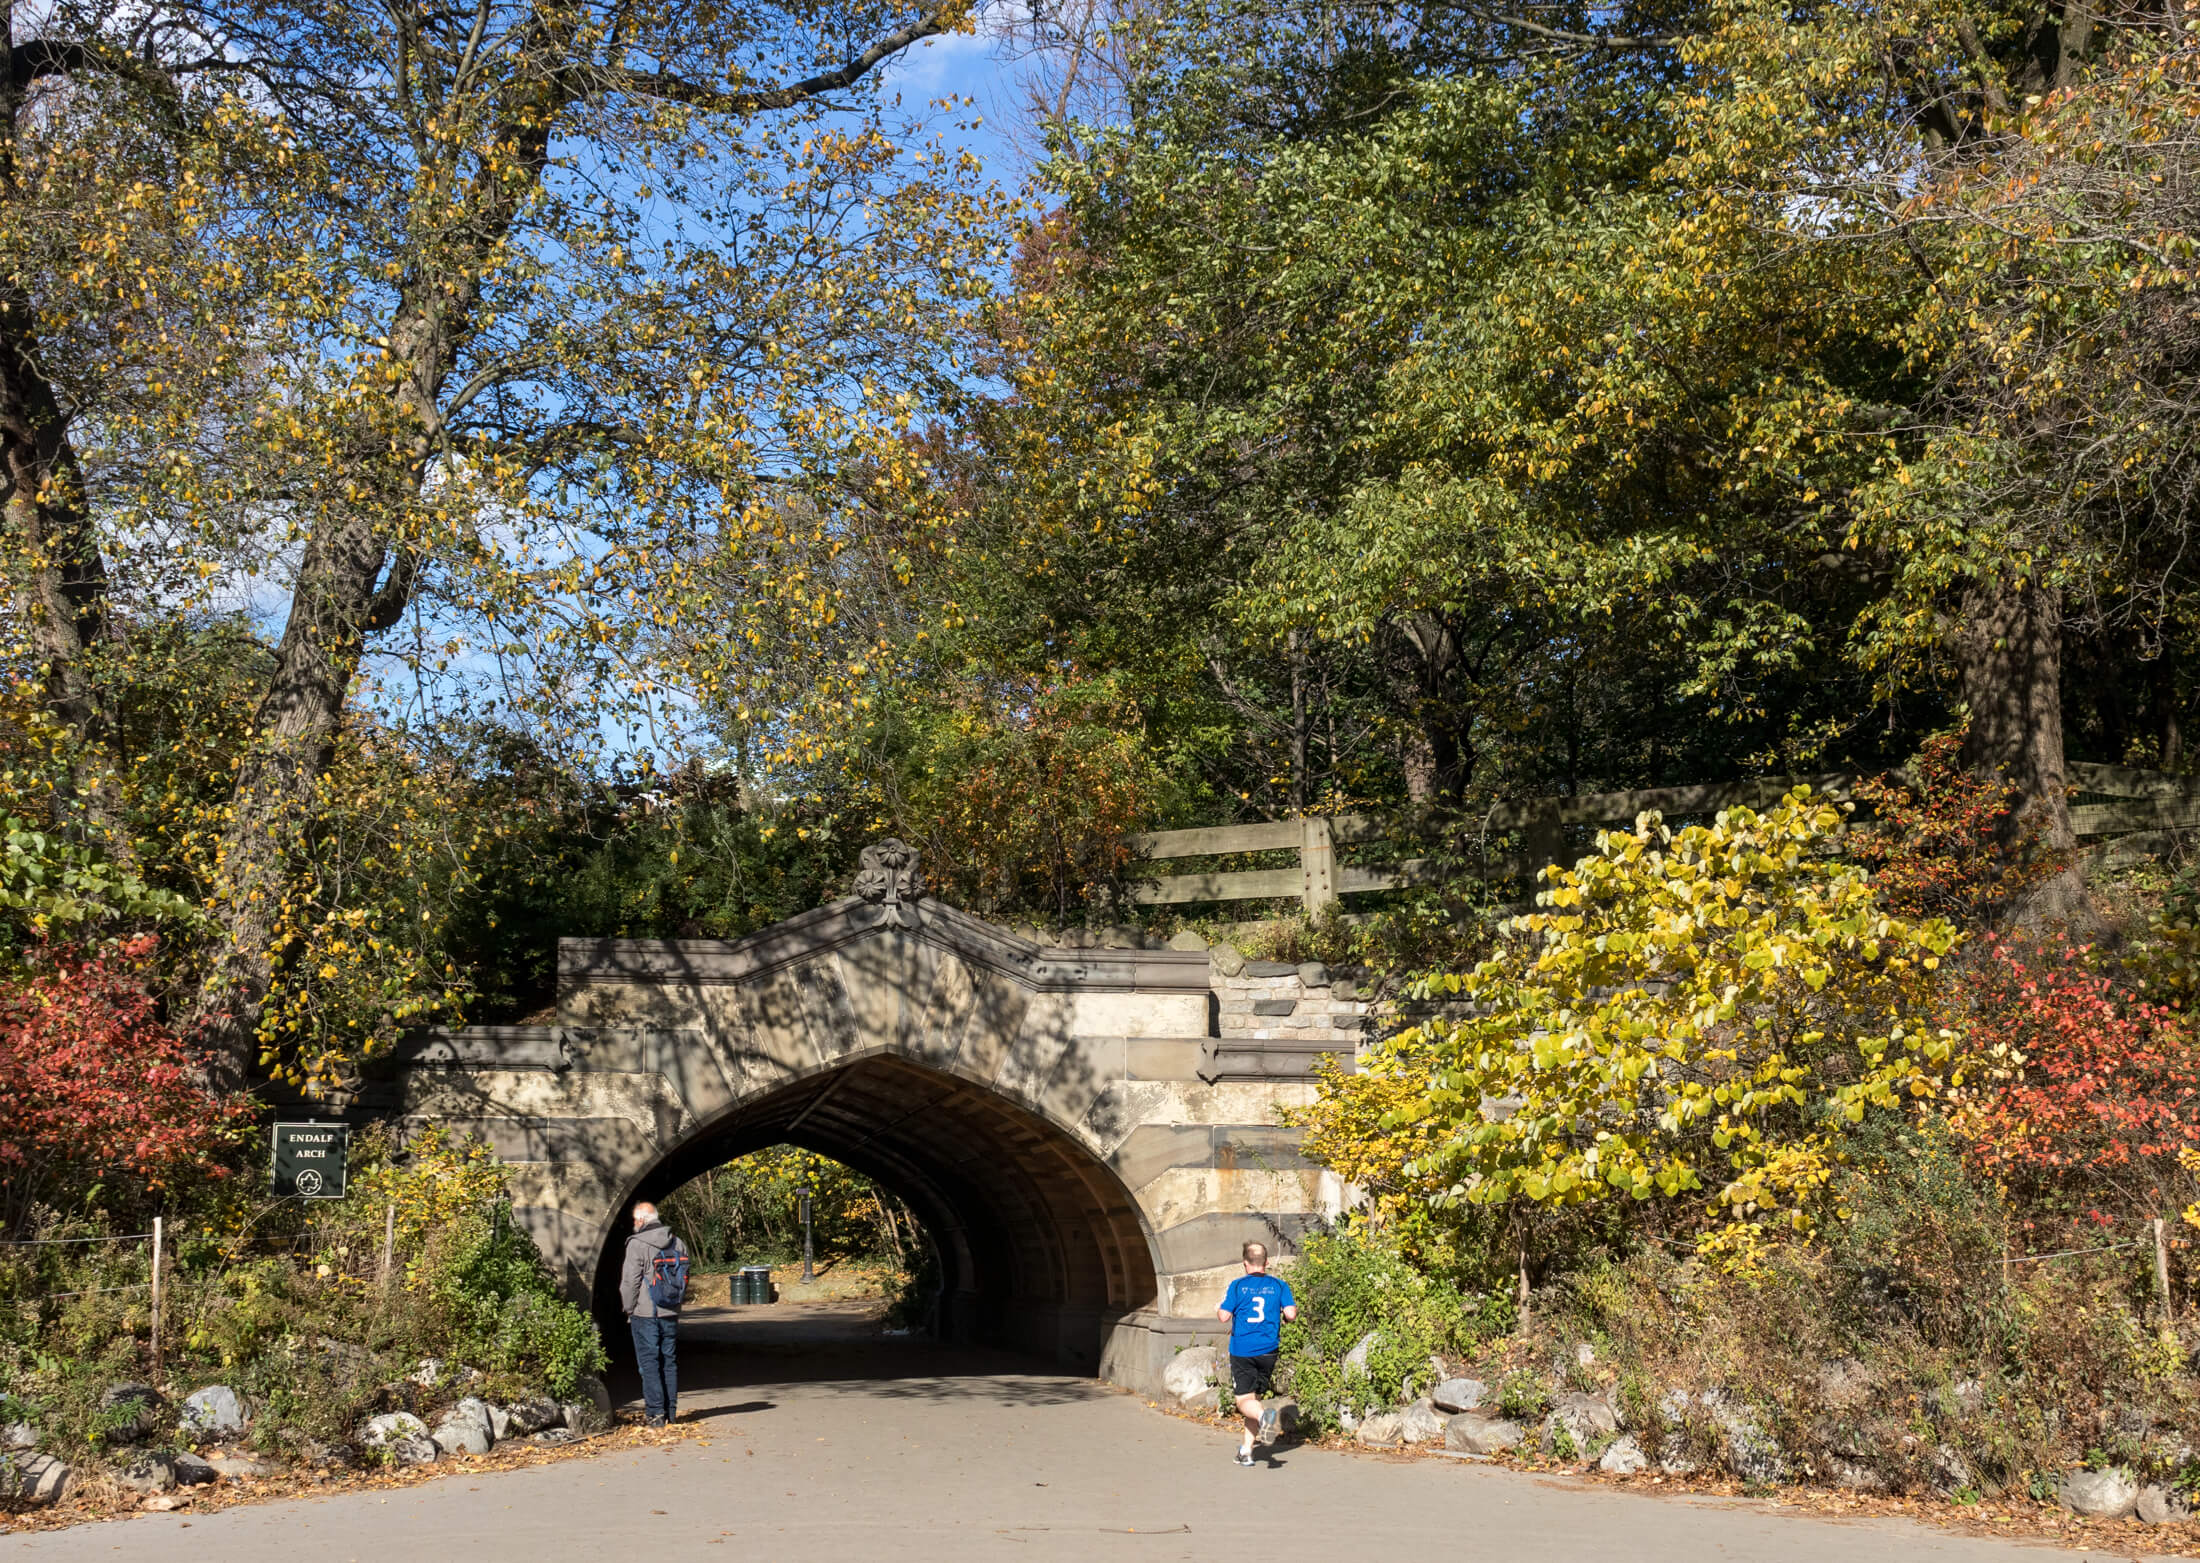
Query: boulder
[[528, 1417], [1420, 1423], [1854, 1475], [1750, 1452], [1384, 1427], [1355, 1360], [465, 1429], [417, 1450], [590, 1388], [1950, 1471], [1843, 1382], [2108, 1495], [213, 1413], [553, 1435], [2159, 1505], [336, 1456], [32, 1480], [239, 1468], [1455, 1395], [1585, 1355], [1587, 1421], [2128, 1422], [1472, 1433], [382, 1431], [463, 1436], [1189, 1379], [1185, 939], [583, 1416], [128, 1413], [191, 1471], [427, 1374], [1623, 1457], [1226, 960], [163, 1503], [1313, 974], [151, 1471], [18, 1435]]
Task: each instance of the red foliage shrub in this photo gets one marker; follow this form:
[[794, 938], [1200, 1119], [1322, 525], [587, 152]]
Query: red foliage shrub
[[1942, 842], [94, 1088], [2107, 1093]]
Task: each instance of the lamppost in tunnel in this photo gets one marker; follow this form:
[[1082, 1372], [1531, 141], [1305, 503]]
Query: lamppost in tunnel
[[808, 1274]]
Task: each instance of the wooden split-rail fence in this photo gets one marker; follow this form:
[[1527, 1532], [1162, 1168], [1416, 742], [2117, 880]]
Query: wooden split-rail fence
[[1517, 839]]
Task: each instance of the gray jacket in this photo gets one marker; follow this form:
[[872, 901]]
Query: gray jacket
[[641, 1248]]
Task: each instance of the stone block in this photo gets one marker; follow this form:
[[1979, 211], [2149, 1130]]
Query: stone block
[[1270, 969], [1273, 1006], [1153, 1058], [1139, 1015]]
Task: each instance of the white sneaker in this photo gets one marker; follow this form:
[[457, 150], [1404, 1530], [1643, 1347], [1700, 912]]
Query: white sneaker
[[1271, 1423], [1245, 1457]]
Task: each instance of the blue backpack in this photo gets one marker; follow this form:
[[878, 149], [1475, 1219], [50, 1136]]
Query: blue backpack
[[668, 1276]]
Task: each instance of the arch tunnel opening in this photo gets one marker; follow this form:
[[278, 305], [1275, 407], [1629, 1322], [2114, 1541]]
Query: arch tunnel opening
[[1039, 1244]]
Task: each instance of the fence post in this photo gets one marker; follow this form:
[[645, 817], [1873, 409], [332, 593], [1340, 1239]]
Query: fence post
[[1317, 864], [389, 1242], [2161, 1269], [157, 1235]]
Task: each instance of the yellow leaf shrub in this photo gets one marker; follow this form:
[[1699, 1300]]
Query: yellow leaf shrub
[[1693, 1013]]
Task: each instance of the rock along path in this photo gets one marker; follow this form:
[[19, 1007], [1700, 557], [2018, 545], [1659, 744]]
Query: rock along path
[[825, 1441]]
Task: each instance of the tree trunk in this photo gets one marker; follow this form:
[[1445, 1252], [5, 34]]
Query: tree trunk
[[337, 600], [60, 585], [2010, 651], [61, 582]]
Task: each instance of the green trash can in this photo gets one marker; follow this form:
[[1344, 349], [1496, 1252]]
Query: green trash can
[[756, 1284]]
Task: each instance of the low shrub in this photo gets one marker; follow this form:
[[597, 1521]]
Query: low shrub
[[288, 1307], [1354, 1286]]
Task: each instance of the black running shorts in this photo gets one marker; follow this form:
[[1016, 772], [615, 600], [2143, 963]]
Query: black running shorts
[[1253, 1375]]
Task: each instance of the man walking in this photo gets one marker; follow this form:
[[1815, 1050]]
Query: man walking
[[652, 1285], [1255, 1307]]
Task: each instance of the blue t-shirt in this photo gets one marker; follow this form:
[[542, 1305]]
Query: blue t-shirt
[[1255, 1304]]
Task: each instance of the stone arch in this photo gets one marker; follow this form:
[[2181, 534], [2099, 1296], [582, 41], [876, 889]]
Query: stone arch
[[1041, 1245], [1089, 1132]]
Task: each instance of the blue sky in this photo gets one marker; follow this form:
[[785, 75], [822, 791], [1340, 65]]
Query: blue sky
[[974, 66]]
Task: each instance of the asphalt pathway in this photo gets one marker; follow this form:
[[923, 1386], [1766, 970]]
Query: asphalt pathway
[[822, 1440]]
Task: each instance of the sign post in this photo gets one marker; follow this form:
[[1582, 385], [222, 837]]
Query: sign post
[[311, 1159]]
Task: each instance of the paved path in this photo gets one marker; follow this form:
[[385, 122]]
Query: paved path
[[828, 1443]]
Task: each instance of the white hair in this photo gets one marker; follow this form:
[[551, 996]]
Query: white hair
[[645, 1210]]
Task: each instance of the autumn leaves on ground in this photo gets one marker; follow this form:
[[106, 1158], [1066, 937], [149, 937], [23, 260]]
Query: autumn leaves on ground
[[469, 478]]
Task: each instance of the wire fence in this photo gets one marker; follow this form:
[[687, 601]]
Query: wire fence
[[155, 1264], [40, 1271]]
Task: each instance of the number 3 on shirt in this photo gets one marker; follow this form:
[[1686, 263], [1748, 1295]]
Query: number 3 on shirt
[[1259, 1315]]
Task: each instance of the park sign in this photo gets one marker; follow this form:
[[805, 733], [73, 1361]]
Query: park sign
[[310, 1159]]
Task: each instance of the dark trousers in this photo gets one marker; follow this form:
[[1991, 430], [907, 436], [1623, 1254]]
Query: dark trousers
[[656, 1353]]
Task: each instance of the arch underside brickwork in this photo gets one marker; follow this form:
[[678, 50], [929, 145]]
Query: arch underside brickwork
[[1039, 1242]]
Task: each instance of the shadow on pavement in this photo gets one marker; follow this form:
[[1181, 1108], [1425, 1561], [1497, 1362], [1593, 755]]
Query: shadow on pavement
[[836, 1348]]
